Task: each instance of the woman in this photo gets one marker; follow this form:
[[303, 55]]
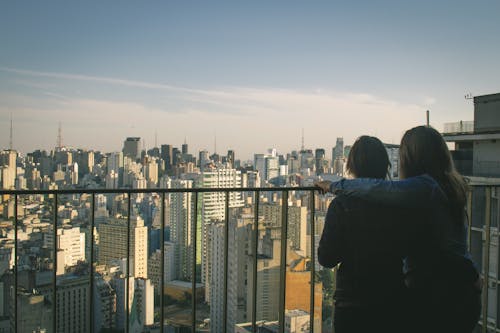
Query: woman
[[369, 242], [443, 283]]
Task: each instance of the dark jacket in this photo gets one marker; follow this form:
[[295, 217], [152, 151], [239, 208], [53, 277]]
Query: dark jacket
[[369, 241]]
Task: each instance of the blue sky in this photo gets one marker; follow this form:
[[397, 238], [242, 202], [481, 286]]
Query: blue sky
[[252, 72]]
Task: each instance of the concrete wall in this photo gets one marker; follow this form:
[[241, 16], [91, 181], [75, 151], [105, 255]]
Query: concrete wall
[[486, 158], [487, 113]]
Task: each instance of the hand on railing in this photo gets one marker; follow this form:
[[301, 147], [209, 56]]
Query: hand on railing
[[324, 186]]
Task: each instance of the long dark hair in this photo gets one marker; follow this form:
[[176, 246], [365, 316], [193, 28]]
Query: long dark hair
[[368, 158], [424, 151]]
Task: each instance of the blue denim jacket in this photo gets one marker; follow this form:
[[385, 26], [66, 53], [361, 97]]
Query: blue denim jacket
[[421, 193]]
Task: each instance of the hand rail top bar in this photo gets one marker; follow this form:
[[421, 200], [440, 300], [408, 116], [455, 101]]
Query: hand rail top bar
[[160, 190]]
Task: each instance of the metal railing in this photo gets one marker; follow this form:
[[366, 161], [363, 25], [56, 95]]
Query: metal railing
[[195, 192], [484, 226]]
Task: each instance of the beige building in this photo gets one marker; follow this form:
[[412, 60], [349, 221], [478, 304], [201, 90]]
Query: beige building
[[113, 244]]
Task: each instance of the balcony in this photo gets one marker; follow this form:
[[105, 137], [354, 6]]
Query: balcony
[[173, 260], [460, 127]]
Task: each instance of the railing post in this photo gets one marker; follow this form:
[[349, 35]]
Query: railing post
[[162, 263], [486, 263], [313, 262], [127, 277], [91, 265], [226, 260], [254, 256], [54, 285], [284, 236], [469, 219], [15, 263], [193, 263]]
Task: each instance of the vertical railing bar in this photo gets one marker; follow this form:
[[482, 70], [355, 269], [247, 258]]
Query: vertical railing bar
[[254, 256], [486, 265], [469, 218], [193, 263], [162, 263], [15, 262], [313, 261], [284, 236], [226, 261], [54, 283], [91, 268], [127, 277]]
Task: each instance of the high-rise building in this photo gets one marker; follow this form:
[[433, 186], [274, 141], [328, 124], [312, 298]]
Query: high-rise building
[[338, 150], [213, 208], [181, 220], [120, 285], [132, 148], [143, 304], [230, 158], [176, 156], [73, 295], [8, 169], [71, 241], [151, 172], [215, 257], [268, 277], [113, 244], [167, 156], [104, 306], [319, 156]]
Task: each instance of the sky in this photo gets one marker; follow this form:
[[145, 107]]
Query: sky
[[241, 75]]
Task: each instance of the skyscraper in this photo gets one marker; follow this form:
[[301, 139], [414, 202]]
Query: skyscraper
[[167, 156], [338, 150], [113, 244], [132, 148]]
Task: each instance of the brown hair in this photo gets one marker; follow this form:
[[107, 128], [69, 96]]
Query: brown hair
[[424, 151], [368, 158]]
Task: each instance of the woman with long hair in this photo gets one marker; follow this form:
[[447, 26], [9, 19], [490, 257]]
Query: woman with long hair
[[442, 280], [368, 241]]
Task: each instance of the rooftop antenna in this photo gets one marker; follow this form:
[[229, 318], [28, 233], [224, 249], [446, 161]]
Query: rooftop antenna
[[215, 142], [428, 115], [156, 139], [469, 96], [11, 133], [303, 148], [59, 136]]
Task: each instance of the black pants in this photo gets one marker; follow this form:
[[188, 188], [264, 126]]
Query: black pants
[[445, 310], [434, 310], [370, 319]]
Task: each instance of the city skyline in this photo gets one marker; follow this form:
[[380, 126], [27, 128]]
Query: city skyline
[[252, 75]]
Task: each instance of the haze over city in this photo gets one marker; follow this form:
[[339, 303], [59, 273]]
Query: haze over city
[[253, 74]]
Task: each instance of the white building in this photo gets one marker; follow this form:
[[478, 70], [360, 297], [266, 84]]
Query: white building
[[213, 208], [181, 221]]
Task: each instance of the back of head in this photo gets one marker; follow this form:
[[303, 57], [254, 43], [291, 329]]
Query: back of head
[[424, 151], [368, 158]]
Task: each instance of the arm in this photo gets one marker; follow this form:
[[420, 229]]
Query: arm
[[330, 246], [414, 192]]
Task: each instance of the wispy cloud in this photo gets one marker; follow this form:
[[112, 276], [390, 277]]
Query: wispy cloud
[[248, 119], [108, 80]]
